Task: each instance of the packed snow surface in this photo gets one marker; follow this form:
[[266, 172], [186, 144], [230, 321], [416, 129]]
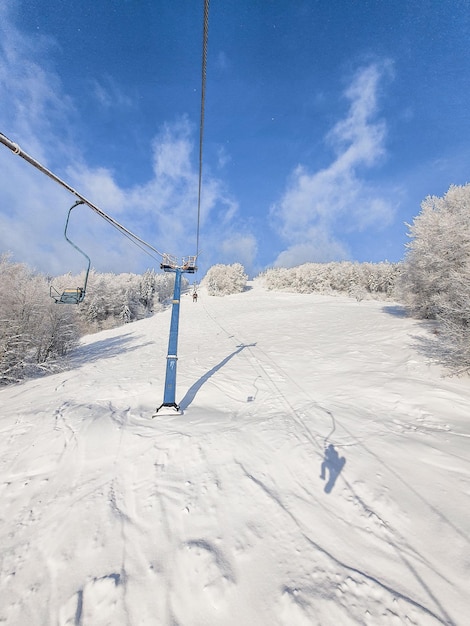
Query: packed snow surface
[[319, 474]]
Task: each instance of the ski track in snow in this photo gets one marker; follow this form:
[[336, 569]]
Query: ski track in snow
[[237, 512]]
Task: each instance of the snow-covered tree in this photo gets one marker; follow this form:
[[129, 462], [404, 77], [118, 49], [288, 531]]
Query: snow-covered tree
[[438, 253], [436, 274], [58, 333], [34, 331], [223, 280], [113, 299], [358, 280]]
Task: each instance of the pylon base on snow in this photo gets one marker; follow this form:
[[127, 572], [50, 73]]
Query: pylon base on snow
[[168, 405]]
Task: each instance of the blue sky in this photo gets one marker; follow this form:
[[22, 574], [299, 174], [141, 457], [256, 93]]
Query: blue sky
[[327, 123]]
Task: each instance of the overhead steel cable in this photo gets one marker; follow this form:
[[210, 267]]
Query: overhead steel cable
[[201, 124], [143, 245]]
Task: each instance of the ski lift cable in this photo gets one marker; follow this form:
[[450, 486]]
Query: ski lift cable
[[145, 250], [201, 124], [135, 240], [132, 236]]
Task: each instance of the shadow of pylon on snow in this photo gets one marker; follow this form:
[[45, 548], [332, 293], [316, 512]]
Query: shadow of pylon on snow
[[192, 391], [333, 464]]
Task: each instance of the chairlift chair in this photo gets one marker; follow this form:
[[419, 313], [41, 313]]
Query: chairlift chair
[[73, 295], [68, 296]]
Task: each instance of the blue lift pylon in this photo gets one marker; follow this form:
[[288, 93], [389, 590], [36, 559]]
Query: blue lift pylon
[[188, 266]]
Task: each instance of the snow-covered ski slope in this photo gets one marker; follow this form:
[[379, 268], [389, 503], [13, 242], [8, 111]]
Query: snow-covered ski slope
[[220, 516]]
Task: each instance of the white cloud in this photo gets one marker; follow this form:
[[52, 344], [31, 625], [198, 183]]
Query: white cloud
[[33, 102], [223, 157], [109, 94], [320, 248], [239, 249], [222, 62], [317, 207], [172, 152]]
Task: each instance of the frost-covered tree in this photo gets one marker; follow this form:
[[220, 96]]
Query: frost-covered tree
[[164, 285], [114, 299], [34, 331], [223, 280], [58, 333], [436, 274], [358, 280], [17, 319], [438, 253], [147, 288]]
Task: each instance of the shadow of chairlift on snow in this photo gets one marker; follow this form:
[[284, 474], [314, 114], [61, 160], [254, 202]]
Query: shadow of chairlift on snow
[[332, 464], [192, 391]]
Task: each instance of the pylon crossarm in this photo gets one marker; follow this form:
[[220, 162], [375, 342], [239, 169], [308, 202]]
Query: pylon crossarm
[[170, 264]]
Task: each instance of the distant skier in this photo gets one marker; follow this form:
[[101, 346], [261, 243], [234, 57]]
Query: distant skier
[[334, 464], [195, 296]]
